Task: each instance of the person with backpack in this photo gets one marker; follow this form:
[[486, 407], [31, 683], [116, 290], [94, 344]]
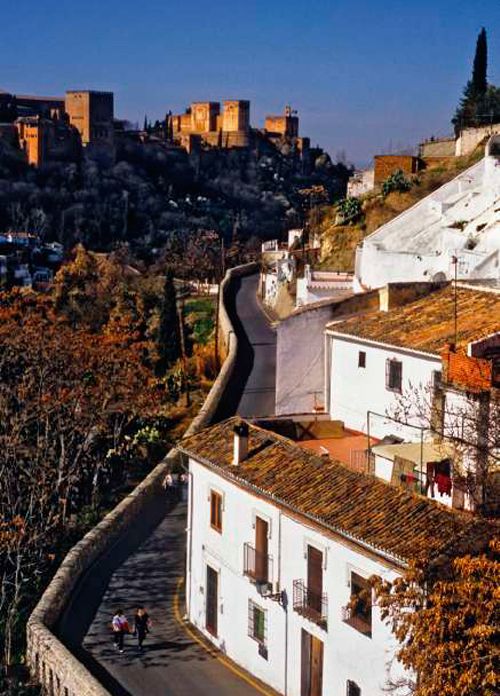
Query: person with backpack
[[120, 627], [142, 625]]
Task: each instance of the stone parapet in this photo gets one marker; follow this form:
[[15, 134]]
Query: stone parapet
[[50, 662]]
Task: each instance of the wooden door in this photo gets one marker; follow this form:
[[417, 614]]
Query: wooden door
[[311, 676], [261, 550], [316, 667], [212, 601], [314, 579]]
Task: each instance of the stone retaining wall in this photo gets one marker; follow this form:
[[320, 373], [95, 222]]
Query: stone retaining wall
[[58, 671]]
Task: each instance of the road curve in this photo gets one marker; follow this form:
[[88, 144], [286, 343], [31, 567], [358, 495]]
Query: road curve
[[145, 564], [253, 383]]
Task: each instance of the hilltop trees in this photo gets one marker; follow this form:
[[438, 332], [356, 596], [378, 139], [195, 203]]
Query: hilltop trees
[[480, 103]]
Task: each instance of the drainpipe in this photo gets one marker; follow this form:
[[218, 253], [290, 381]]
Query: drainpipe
[[284, 604], [189, 531]]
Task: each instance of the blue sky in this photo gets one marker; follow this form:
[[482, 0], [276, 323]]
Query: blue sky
[[364, 75]]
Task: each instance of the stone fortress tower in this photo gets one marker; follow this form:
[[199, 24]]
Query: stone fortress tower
[[92, 113], [203, 123]]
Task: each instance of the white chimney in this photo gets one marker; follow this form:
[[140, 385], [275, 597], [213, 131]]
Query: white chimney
[[240, 442]]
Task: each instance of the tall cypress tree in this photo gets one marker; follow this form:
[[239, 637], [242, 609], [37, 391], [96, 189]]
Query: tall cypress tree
[[480, 67], [169, 338], [474, 105]]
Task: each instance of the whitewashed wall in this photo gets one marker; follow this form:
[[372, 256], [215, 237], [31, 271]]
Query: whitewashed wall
[[348, 654], [353, 390]]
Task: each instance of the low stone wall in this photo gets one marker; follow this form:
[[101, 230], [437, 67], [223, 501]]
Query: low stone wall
[[58, 671], [470, 138]]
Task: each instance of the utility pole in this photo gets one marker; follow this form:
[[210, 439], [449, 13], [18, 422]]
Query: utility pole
[[454, 260]]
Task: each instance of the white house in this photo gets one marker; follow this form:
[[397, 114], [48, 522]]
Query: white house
[[321, 285], [383, 377], [456, 229], [280, 541], [361, 182]]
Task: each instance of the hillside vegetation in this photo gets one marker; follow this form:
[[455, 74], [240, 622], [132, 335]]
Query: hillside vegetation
[[339, 241]]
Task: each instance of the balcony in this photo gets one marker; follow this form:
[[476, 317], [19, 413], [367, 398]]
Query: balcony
[[310, 604], [257, 566], [361, 621]]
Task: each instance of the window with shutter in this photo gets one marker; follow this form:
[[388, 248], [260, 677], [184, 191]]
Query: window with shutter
[[216, 511], [362, 358], [393, 375], [257, 622]]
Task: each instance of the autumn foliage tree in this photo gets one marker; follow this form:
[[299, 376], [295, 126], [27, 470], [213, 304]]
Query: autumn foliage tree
[[445, 614], [70, 401]]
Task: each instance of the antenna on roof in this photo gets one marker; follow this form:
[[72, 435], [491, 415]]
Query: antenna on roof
[[454, 260]]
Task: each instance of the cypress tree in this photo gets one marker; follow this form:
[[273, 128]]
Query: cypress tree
[[169, 339], [145, 126], [474, 103], [479, 78]]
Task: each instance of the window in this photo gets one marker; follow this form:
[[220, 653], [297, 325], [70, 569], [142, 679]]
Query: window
[[393, 375], [216, 511], [353, 689], [495, 373], [361, 358], [256, 622], [360, 605]]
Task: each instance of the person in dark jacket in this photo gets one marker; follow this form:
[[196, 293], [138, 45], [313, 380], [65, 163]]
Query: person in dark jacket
[[142, 625]]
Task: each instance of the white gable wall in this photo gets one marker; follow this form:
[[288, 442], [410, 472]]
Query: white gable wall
[[353, 390]]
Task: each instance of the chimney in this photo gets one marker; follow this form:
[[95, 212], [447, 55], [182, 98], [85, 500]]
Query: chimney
[[384, 298], [240, 442]]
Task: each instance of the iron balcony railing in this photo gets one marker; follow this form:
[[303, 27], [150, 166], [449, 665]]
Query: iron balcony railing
[[257, 565], [310, 604], [361, 622]]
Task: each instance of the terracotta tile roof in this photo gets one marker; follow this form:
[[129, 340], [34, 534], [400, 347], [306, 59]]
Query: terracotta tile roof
[[360, 507], [428, 323]]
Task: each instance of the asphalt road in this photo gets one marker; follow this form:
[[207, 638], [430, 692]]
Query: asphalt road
[[253, 383], [258, 398], [144, 566]]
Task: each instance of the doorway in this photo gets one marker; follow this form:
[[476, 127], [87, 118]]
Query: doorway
[[311, 665], [212, 601]]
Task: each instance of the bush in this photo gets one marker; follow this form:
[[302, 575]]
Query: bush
[[396, 182], [350, 209]]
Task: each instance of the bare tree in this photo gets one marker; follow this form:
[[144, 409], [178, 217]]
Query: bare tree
[[467, 424]]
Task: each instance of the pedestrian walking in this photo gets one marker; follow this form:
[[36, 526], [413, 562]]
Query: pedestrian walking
[[120, 627], [142, 625]]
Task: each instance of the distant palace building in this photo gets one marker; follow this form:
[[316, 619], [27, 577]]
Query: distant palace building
[[204, 124]]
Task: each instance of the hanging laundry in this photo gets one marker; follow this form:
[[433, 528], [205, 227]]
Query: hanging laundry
[[443, 483]]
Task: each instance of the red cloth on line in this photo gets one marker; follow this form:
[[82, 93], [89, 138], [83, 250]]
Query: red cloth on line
[[443, 483]]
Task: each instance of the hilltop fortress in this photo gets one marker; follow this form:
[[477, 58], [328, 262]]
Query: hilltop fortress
[[56, 128], [204, 124]]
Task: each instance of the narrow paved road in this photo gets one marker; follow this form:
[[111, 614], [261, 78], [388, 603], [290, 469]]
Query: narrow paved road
[[253, 383], [258, 397], [144, 565]]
